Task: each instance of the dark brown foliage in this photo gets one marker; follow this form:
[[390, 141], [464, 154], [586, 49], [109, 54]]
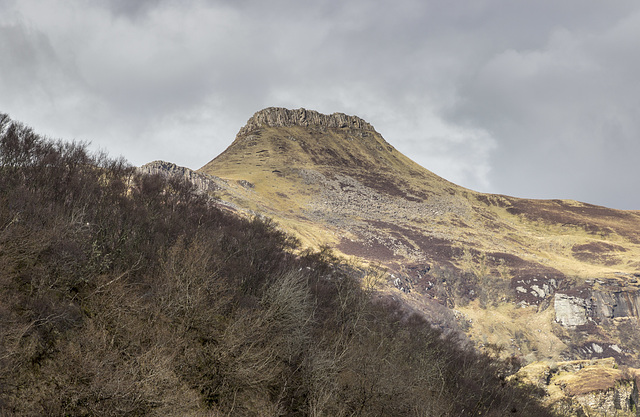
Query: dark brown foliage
[[130, 294], [596, 220]]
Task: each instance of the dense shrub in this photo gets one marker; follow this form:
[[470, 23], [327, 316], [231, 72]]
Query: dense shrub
[[130, 294]]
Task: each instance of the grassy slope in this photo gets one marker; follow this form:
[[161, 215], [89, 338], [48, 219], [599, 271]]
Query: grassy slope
[[495, 235], [550, 232]]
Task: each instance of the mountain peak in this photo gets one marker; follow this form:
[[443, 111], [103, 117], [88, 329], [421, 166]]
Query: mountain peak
[[281, 117], [276, 138]]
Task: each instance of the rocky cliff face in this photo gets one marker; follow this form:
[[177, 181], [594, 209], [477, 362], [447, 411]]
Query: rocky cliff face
[[598, 301], [513, 273], [202, 182], [600, 318], [281, 117], [595, 388], [616, 303], [570, 310]]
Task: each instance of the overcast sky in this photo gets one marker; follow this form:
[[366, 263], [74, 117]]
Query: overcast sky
[[536, 98]]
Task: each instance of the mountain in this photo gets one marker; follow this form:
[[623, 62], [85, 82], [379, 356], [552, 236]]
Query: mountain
[[543, 279], [551, 280], [123, 293], [126, 293], [337, 181]]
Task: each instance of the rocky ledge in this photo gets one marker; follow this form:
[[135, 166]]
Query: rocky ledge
[[281, 117], [595, 388], [204, 183], [597, 301]]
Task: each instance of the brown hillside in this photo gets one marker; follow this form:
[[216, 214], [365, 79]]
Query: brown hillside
[[502, 263]]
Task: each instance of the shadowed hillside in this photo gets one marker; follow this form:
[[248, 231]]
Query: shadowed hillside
[[131, 294], [550, 280]]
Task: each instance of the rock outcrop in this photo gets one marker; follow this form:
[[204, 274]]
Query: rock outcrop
[[597, 302], [585, 387], [616, 303], [331, 179], [203, 182], [281, 117], [570, 311]]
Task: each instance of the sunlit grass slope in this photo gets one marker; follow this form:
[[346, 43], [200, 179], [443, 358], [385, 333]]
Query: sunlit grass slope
[[315, 175]]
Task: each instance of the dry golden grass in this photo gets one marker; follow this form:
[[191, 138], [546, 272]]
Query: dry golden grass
[[273, 159], [564, 381], [415, 217], [519, 331]]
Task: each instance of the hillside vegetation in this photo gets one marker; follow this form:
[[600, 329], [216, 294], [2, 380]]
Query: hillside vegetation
[[539, 279], [334, 180], [131, 294]]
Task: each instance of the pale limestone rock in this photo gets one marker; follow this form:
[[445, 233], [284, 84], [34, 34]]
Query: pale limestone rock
[[570, 311], [202, 182]]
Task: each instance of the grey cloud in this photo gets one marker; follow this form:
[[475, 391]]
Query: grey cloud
[[130, 9], [24, 57], [524, 98], [563, 115]]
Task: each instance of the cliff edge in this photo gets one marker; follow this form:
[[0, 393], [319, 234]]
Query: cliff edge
[[281, 117]]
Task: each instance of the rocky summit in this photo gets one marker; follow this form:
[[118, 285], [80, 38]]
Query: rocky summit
[[538, 280], [280, 117]]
